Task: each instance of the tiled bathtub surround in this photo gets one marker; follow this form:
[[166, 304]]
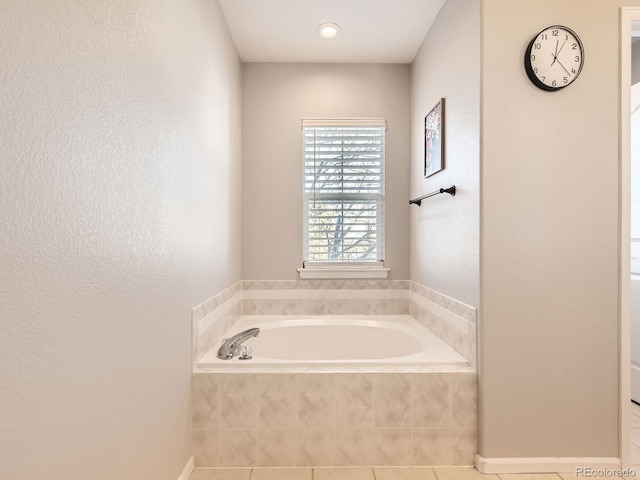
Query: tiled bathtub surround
[[343, 419], [286, 420], [452, 321], [325, 297], [325, 285], [212, 318]]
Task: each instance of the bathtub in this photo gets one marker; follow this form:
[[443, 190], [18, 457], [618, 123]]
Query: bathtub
[[339, 390], [394, 342]]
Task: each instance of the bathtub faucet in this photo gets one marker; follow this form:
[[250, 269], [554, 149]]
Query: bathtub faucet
[[231, 346]]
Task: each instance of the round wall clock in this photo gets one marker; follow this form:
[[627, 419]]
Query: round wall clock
[[554, 58]]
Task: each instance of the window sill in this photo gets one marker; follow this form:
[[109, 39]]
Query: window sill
[[342, 273]]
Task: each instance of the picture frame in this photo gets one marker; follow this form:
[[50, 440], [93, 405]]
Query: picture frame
[[434, 140]]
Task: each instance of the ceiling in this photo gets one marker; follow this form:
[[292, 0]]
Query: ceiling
[[373, 31]]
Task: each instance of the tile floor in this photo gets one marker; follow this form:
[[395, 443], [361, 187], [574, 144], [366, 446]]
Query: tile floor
[[368, 473], [398, 473], [635, 434]]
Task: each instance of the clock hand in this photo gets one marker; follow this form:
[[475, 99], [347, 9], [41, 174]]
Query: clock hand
[[555, 55], [558, 52], [560, 63]]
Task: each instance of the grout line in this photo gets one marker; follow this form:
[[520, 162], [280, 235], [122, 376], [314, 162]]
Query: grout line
[[435, 472]]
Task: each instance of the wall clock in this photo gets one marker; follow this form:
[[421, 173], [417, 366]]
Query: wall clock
[[554, 58]]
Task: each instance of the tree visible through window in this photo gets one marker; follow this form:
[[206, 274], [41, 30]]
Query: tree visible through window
[[344, 191]]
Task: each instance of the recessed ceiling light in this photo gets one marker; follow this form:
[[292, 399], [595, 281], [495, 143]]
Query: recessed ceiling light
[[328, 30]]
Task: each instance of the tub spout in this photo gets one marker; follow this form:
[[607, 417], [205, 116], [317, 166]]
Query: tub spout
[[231, 346]]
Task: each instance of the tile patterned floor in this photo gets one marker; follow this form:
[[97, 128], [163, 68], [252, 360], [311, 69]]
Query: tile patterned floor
[[398, 473], [635, 434], [370, 473]]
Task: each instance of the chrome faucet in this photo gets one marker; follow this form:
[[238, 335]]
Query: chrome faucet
[[231, 346]]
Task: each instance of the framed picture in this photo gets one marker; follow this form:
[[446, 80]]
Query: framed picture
[[434, 140]]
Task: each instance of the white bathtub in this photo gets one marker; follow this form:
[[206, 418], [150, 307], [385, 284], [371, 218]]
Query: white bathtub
[[337, 341]]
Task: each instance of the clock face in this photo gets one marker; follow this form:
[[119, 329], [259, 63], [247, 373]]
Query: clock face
[[554, 58]]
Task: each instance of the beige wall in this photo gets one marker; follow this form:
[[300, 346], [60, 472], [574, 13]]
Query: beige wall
[[549, 238], [275, 98], [120, 202], [445, 229]]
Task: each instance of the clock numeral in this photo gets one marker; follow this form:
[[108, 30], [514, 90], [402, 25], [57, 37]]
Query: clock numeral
[[573, 70], [544, 36], [577, 59], [535, 69], [554, 83], [565, 80], [533, 58], [543, 78], [555, 33], [537, 46], [574, 46]]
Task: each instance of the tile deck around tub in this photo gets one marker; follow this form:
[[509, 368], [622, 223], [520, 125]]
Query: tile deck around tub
[[334, 416], [450, 320]]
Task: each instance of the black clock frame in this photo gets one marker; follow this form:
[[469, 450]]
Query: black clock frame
[[529, 69]]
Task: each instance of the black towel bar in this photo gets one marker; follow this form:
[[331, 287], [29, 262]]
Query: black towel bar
[[451, 191]]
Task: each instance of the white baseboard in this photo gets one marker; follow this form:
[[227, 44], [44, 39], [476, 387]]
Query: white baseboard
[[544, 464], [188, 468]]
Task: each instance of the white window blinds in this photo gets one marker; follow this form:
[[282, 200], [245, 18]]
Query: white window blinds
[[343, 190]]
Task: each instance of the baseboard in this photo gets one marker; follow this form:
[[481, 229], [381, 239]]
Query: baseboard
[[188, 468], [544, 464]]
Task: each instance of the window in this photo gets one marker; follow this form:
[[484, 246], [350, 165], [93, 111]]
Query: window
[[344, 162]]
